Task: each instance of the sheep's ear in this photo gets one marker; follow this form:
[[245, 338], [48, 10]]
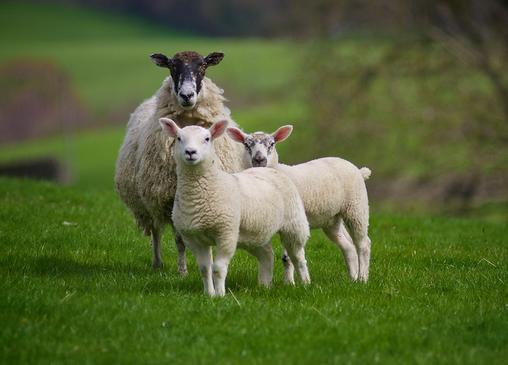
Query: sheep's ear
[[236, 135], [169, 126], [214, 58], [160, 60], [217, 129], [282, 133]]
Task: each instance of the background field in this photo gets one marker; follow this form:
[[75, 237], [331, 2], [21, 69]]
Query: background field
[[77, 286]]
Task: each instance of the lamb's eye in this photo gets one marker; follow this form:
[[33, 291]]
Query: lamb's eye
[[207, 139], [178, 139]]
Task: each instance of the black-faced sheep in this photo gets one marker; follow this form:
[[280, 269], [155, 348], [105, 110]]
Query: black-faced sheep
[[145, 175]]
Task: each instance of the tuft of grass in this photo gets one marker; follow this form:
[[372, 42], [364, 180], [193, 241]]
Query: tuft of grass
[[77, 287]]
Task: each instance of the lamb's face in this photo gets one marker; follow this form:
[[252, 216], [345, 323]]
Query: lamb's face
[[193, 144], [187, 72], [260, 146]]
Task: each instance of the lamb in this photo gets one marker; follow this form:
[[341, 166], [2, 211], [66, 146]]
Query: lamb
[[333, 192], [145, 177], [245, 210]]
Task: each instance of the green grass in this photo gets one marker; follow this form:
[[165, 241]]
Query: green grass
[[91, 155], [85, 293], [106, 55], [420, 125]]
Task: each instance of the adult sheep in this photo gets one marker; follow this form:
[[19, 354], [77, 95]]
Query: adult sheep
[[145, 176]]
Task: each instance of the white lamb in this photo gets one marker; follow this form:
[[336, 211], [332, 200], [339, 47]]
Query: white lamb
[[145, 172], [246, 209], [333, 192]]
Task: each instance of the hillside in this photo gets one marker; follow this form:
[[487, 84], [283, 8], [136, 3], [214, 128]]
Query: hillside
[[433, 137]]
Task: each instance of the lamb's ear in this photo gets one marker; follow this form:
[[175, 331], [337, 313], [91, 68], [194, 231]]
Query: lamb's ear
[[160, 60], [282, 133], [218, 128], [214, 58], [236, 135], [169, 126]]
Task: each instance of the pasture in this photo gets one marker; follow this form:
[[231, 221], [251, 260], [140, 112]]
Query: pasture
[[77, 287], [77, 284]]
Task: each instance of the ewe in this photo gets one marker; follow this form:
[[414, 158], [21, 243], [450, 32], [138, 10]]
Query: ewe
[[332, 190], [245, 210], [145, 172]]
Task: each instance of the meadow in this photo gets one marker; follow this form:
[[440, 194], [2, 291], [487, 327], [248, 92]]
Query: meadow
[[77, 287], [77, 284]]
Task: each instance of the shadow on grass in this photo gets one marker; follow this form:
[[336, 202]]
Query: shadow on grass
[[136, 278], [56, 266]]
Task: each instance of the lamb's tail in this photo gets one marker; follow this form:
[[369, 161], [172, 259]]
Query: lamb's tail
[[365, 171]]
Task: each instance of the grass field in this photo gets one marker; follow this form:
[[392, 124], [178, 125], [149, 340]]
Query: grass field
[[107, 56], [77, 284], [422, 124], [77, 287]]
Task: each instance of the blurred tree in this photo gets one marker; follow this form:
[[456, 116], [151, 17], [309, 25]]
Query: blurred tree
[[420, 96]]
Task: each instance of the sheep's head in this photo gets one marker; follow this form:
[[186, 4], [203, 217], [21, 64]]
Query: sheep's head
[[260, 146], [187, 71], [193, 143]]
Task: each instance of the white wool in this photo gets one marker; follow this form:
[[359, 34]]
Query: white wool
[[245, 210], [335, 197], [145, 176]]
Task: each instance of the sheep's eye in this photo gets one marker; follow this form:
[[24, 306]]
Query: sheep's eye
[[207, 139], [178, 139]]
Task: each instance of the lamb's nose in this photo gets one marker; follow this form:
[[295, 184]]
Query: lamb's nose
[[259, 161], [189, 152]]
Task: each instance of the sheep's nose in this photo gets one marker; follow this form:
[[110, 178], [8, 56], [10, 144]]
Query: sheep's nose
[[187, 96], [189, 152], [259, 161]]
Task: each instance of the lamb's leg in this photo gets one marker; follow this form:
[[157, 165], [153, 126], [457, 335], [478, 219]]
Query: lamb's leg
[[223, 255], [338, 234], [296, 252], [362, 242], [156, 248], [203, 256], [264, 254], [289, 269]]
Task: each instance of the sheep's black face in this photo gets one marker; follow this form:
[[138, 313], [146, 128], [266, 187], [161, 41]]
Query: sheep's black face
[[187, 71]]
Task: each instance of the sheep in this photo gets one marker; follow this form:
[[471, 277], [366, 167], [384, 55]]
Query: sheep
[[245, 209], [333, 192], [145, 177]]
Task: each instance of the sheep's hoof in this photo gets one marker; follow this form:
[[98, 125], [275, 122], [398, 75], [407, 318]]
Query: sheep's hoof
[[157, 265], [363, 278], [183, 271]]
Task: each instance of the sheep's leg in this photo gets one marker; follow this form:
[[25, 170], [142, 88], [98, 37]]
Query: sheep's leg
[[223, 255], [289, 269], [338, 234], [182, 259], [363, 256], [203, 256], [264, 254], [295, 249], [156, 248], [180, 248], [362, 242], [297, 255]]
